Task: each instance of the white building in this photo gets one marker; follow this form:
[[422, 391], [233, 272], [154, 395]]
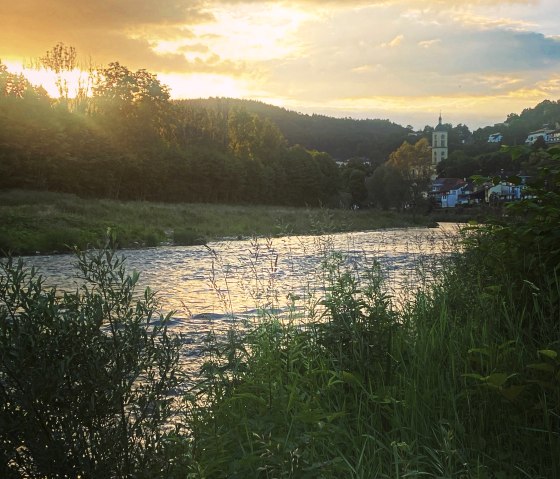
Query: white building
[[504, 191], [535, 135], [553, 137], [440, 148], [495, 138]]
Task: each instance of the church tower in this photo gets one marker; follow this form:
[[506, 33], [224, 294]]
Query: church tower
[[439, 145]]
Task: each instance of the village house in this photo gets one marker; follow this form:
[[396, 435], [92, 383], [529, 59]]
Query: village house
[[503, 191], [553, 137], [495, 138], [535, 135], [454, 192], [447, 192]]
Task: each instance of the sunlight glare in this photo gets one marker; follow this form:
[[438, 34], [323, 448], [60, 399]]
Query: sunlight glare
[[75, 79], [255, 32], [203, 85]]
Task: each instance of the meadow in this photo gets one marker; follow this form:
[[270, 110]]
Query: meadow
[[44, 222]]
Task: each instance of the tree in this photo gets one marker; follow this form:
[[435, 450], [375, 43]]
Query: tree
[[134, 106], [242, 133], [85, 377], [9, 84], [60, 59], [357, 187], [458, 165], [387, 188], [414, 162]]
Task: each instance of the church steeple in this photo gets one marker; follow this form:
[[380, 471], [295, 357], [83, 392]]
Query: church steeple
[[439, 145]]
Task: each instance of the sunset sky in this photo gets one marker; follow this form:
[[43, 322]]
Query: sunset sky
[[404, 60]]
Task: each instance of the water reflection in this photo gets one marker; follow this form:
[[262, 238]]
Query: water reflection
[[209, 287]]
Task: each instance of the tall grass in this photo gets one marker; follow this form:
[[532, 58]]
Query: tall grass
[[44, 222], [457, 382], [447, 385], [461, 380]]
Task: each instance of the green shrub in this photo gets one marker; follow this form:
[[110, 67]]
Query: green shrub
[[522, 254], [185, 236], [85, 376]]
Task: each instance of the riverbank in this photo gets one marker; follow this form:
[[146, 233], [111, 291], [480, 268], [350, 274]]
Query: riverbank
[[44, 222], [432, 388]]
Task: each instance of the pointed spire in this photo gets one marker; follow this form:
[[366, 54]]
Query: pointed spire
[[440, 117]]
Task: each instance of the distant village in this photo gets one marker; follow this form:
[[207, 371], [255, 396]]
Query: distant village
[[458, 192]]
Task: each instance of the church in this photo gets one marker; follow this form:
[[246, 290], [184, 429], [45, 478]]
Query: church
[[440, 148]]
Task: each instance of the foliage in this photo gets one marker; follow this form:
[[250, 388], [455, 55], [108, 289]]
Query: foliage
[[387, 188], [60, 59], [85, 376], [459, 382], [414, 162], [516, 127], [34, 221], [127, 140], [451, 384], [529, 240], [286, 401], [341, 138]]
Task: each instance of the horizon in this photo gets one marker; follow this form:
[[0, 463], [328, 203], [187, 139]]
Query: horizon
[[476, 61]]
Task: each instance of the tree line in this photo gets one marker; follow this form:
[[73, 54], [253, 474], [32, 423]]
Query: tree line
[[342, 138], [122, 137]]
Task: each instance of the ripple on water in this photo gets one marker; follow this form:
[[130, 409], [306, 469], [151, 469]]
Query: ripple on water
[[213, 287]]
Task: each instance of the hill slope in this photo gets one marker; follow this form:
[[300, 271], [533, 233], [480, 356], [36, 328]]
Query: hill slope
[[342, 138]]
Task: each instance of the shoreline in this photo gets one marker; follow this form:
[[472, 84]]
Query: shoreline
[[37, 222]]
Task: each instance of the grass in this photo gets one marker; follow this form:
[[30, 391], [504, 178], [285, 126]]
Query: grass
[[457, 382], [43, 222], [448, 385]]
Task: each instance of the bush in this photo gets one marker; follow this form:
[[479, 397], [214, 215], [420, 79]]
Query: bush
[[522, 254], [185, 236], [85, 377]]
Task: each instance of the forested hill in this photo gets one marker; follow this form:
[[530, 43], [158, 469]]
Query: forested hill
[[125, 139], [516, 127], [342, 138]]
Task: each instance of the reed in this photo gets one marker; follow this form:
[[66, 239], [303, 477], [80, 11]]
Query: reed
[[447, 384]]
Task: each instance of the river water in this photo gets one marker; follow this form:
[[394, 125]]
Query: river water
[[211, 287]]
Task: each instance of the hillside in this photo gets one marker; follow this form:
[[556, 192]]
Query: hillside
[[342, 138], [516, 127]]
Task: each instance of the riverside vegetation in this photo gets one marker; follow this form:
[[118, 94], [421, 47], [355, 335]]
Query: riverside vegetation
[[35, 221], [462, 381]]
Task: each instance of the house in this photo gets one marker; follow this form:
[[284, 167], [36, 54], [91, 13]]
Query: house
[[535, 135], [503, 191], [457, 196], [553, 137], [495, 138], [453, 192], [445, 192]]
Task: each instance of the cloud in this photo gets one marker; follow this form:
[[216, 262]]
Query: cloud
[[395, 42], [446, 63], [104, 29], [315, 52], [429, 43], [366, 69]]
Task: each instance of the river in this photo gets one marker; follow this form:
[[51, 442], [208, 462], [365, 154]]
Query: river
[[211, 287]]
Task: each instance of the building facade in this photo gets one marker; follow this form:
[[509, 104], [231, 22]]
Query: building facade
[[440, 149]]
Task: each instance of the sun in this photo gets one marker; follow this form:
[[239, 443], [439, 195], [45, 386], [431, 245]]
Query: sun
[[49, 80]]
